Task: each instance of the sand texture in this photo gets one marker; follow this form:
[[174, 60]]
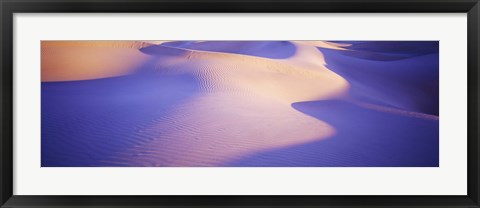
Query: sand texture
[[239, 103]]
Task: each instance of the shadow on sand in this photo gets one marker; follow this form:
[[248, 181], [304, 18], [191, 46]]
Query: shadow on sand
[[84, 122], [364, 138], [265, 49]]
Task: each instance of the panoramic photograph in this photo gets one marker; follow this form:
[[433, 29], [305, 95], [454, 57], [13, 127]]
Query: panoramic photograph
[[193, 103]]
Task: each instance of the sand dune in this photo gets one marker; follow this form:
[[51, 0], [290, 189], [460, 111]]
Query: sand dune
[[409, 83], [234, 103], [84, 60], [366, 137]]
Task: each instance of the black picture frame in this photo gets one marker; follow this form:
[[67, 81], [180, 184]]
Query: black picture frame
[[9, 7]]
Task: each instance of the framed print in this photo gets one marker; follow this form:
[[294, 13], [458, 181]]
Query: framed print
[[239, 104]]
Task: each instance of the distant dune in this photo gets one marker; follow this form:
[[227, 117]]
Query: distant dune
[[239, 103], [83, 60]]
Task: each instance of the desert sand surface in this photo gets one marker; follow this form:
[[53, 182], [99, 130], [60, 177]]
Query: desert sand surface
[[239, 104]]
